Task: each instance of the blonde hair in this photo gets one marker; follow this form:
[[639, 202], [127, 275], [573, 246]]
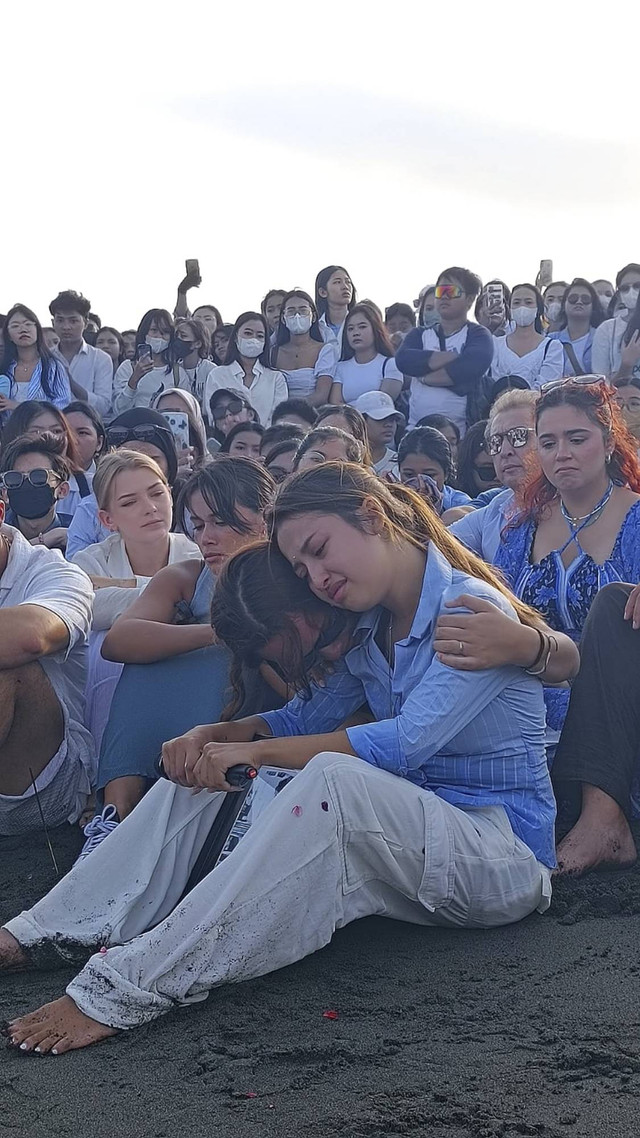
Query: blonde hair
[[117, 463], [514, 400]]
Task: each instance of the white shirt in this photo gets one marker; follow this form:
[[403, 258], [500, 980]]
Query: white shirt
[[266, 390], [544, 363], [36, 575], [109, 558], [357, 379], [426, 400], [388, 464], [607, 346], [156, 380], [301, 381], [198, 376], [331, 334], [92, 369]]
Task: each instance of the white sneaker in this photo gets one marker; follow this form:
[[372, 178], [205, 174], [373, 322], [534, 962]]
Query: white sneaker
[[98, 829]]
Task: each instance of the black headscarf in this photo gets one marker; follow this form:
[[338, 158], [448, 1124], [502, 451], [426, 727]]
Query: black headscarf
[[162, 438]]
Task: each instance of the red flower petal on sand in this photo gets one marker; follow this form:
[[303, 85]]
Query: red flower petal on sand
[[329, 1015]]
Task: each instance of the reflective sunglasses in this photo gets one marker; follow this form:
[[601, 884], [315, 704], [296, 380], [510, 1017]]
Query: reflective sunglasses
[[13, 479], [517, 437], [579, 298], [233, 407], [578, 380], [144, 433], [450, 291]]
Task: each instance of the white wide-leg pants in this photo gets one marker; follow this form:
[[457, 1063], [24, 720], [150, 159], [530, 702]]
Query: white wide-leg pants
[[343, 840]]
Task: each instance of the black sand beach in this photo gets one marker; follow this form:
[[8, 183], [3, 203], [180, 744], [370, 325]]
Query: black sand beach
[[528, 1030]]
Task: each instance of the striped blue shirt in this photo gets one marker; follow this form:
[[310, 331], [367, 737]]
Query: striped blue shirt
[[473, 738], [58, 383]]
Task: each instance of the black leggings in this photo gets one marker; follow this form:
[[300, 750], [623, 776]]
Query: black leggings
[[600, 740]]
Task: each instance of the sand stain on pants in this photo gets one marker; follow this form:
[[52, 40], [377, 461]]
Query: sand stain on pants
[[342, 841]]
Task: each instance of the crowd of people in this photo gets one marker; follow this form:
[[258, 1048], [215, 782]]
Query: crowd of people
[[387, 561]]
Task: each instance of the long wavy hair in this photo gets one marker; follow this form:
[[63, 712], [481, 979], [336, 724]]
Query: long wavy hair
[[597, 402], [344, 488]]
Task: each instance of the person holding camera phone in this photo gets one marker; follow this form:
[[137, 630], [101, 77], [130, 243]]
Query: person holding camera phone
[[153, 370]]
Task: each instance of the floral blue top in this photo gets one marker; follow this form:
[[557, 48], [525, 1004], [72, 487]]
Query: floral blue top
[[565, 595]]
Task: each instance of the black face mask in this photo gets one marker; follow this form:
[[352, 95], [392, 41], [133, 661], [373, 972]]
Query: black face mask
[[180, 349], [31, 502]]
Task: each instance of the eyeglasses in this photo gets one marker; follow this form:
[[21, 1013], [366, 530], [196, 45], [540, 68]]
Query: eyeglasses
[[233, 407], [302, 310], [145, 433], [486, 472], [578, 380], [452, 292], [13, 479], [579, 298], [16, 324], [517, 437]]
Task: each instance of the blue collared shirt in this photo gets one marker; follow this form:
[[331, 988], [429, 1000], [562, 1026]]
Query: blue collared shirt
[[481, 529], [474, 738]]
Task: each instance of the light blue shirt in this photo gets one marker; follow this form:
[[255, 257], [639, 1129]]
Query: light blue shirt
[[451, 497], [85, 528], [473, 738], [480, 529]]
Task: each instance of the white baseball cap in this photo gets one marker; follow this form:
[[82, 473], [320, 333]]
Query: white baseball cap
[[377, 405]]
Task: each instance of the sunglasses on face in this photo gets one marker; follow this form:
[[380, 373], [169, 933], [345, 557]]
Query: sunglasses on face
[[452, 292], [486, 473], [13, 479], [145, 433], [233, 407], [517, 437], [578, 380], [579, 298]]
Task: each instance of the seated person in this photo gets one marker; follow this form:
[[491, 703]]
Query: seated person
[[45, 617], [347, 419], [327, 444], [382, 421], [35, 481], [295, 411], [33, 419], [135, 505], [424, 452]]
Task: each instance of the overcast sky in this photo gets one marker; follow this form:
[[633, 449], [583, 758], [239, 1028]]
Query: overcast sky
[[269, 140]]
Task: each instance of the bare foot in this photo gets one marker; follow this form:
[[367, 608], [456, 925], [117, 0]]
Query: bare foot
[[600, 838], [56, 1028], [11, 955]]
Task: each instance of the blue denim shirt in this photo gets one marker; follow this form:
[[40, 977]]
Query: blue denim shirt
[[474, 738]]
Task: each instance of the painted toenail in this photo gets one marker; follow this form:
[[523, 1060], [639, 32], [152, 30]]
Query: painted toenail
[[23, 1047], [53, 1051]]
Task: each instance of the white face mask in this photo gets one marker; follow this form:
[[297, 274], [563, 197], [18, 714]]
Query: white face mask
[[157, 344], [250, 347], [523, 317], [630, 298], [298, 324], [553, 310]]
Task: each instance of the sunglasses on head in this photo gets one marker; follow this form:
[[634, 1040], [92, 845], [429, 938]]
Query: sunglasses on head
[[13, 479], [451, 291], [144, 433], [578, 380], [517, 437], [233, 407], [579, 298]]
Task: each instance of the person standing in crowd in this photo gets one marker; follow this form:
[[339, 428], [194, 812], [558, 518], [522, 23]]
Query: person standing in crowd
[[606, 351], [399, 320], [425, 453], [527, 351], [129, 340], [33, 372], [553, 296], [246, 368], [110, 341], [90, 369], [335, 297], [220, 341], [35, 482], [367, 358], [51, 339], [580, 315], [192, 348], [45, 617], [447, 362], [428, 314], [300, 353], [154, 370], [382, 421], [455, 762], [493, 308], [295, 411], [605, 293], [210, 316], [629, 349], [88, 433], [271, 307], [35, 420]]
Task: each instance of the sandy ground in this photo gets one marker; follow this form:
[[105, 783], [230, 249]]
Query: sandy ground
[[528, 1030]]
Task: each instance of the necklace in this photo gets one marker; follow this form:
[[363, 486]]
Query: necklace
[[592, 516]]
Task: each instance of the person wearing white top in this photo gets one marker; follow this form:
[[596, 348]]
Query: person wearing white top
[[526, 351], [246, 368], [90, 369], [335, 297], [608, 346], [45, 617], [134, 502], [192, 346], [367, 362], [307, 363], [135, 383]]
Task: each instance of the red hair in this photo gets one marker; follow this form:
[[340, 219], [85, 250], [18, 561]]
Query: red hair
[[597, 402]]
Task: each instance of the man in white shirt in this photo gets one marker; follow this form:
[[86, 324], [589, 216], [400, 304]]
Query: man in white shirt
[[45, 619], [90, 369], [381, 419]]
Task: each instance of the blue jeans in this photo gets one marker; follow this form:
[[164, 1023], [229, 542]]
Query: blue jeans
[[156, 702]]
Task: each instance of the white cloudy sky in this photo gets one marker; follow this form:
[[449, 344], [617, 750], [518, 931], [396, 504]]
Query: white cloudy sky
[[270, 139]]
